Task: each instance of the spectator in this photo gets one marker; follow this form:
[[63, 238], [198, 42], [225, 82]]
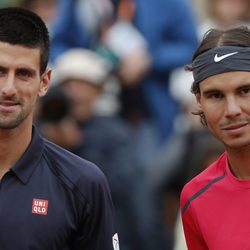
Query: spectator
[[170, 32], [55, 121], [81, 74], [46, 9], [79, 24], [225, 14]]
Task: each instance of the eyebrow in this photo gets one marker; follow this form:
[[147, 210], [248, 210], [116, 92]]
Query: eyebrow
[[215, 90], [29, 69], [3, 68], [32, 71], [247, 85], [210, 91]]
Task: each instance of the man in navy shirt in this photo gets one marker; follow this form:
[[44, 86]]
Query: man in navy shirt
[[49, 198]]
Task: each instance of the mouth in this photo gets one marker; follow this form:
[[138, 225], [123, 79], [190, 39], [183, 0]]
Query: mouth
[[8, 103], [8, 106], [235, 126], [236, 129]]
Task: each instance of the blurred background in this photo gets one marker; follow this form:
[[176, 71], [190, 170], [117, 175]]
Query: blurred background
[[120, 98]]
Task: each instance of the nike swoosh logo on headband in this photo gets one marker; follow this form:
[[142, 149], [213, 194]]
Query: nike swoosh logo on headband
[[220, 58]]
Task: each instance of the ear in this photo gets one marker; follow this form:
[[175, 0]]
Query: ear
[[198, 100], [45, 83]]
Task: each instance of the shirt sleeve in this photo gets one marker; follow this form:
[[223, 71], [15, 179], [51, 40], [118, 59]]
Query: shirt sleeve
[[96, 230], [192, 232]]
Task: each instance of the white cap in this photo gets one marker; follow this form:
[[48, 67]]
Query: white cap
[[81, 64]]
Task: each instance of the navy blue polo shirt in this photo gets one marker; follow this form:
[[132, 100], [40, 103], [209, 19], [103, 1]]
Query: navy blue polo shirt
[[53, 200]]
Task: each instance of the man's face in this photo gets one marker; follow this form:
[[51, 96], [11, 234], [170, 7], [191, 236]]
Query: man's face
[[231, 11], [225, 101], [20, 84], [82, 97]]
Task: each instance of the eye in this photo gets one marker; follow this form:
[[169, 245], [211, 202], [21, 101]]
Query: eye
[[215, 95], [245, 91], [2, 71], [24, 73]]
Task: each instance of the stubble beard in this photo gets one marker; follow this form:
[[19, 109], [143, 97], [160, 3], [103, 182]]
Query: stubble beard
[[7, 122]]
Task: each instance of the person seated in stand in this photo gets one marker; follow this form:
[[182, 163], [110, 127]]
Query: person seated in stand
[[82, 75]]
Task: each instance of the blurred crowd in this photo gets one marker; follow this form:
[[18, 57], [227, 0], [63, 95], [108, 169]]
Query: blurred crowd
[[120, 98]]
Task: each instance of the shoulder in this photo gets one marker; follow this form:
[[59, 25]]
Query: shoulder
[[202, 182], [77, 174]]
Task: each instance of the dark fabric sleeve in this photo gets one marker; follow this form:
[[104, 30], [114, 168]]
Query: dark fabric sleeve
[[96, 230]]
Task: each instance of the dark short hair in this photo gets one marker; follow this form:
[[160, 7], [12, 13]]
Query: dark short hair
[[214, 38], [19, 26]]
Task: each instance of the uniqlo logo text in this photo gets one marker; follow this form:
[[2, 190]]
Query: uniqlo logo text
[[40, 206]]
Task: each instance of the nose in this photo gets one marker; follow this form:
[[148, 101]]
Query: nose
[[233, 108], [7, 86]]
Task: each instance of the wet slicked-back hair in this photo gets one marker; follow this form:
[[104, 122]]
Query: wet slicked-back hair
[[214, 38], [22, 27]]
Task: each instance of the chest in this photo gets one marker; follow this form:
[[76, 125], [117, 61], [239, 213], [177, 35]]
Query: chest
[[225, 219], [34, 216]]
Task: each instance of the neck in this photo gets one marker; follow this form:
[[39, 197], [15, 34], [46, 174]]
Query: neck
[[239, 162], [13, 143]]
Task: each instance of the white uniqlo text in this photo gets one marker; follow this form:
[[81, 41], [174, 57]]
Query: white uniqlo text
[[40, 206]]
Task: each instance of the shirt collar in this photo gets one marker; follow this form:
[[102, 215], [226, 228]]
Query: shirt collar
[[28, 162]]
